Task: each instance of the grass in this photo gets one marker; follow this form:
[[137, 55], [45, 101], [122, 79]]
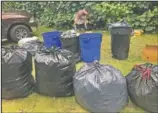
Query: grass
[[38, 103]]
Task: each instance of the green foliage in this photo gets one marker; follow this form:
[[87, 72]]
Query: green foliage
[[140, 15]]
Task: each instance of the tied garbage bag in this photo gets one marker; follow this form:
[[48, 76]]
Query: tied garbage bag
[[142, 84], [17, 81], [32, 46], [54, 71], [100, 88], [70, 41]]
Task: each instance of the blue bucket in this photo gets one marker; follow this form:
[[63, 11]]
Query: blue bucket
[[52, 39], [90, 44]]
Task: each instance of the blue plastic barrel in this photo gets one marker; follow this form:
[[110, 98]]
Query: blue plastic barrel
[[90, 44], [52, 39]]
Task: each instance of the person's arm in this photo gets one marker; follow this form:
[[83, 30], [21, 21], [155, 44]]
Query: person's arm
[[75, 19], [75, 22], [75, 27], [85, 23]]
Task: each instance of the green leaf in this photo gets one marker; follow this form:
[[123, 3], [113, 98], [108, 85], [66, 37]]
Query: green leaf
[[142, 19], [74, 4], [137, 23], [149, 28], [143, 24]]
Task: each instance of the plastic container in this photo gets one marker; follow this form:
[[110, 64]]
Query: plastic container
[[72, 44], [52, 39], [120, 39], [70, 41], [90, 44], [150, 53]]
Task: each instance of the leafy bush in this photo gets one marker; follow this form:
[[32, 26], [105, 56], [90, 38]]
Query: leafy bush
[[140, 15]]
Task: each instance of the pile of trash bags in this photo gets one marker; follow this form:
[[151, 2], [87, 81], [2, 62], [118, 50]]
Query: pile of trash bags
[[54, 69], [31, 44], [100, 88], [17, 80], [70, 41], [142, 84]]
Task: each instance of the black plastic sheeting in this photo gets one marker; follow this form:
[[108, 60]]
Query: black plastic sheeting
[[100, 88], [54, 71], [17, 81], [142, 84], [32, 46], [70, 41]]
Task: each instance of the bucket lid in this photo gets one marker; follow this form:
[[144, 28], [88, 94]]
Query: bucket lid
[[52, 33], [119, 25], [90, 35]]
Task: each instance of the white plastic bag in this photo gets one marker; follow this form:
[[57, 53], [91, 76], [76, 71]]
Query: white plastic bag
[[24, 40]]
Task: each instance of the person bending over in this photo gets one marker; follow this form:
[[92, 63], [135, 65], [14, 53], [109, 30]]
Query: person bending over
[[80, 20]]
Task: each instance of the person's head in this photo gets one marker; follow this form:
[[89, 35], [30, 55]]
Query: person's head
[[85, 11]]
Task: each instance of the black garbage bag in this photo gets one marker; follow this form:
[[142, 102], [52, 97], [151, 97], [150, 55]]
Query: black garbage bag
[[70, 41], [100, 88], [17, 81], [54, 71], [142, 84], [32, 46]]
